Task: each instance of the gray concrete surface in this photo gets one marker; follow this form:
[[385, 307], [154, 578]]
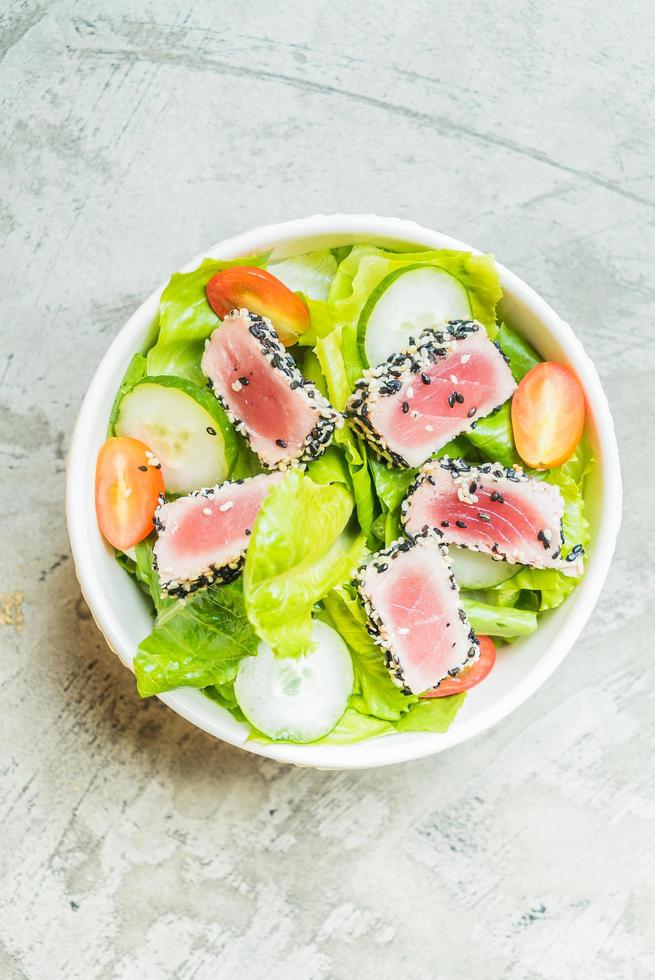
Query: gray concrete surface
[[133, 135]]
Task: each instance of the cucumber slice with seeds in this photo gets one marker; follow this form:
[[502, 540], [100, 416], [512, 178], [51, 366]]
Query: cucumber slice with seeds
[[407, 302], [184, 426], [475, 570]]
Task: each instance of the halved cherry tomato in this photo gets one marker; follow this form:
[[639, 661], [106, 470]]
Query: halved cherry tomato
[[548, 414], [127, 488], [262, 293], [470, 676]]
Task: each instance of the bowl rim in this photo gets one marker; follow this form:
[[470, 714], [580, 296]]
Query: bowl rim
[[389, 749]]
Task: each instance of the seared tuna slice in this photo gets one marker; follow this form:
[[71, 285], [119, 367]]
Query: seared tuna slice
[[285, 418], [202, 538], [412, 603], [502, 512], [418, 400]]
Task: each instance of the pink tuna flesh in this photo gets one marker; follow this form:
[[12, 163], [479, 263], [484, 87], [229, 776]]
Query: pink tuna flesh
[[257, 391], [413, 604], [208, 529], [468, 383], [501, 512]]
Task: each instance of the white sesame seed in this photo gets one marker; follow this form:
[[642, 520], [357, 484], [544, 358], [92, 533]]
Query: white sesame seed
[[236, 385], [429, 428], [207, 511], [153, 461], [403, 631], [410, 392], [226, 505], [127, 491], [465, 358], [148, 454], [453, 379]]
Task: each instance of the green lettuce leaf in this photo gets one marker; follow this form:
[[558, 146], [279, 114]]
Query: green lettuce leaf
[[224, 695], [522, 357], [320, 321], [331, 360], [127, 564], [196, 643], [548, 586], [148, 577], [310, 274], [180, 358], [493, 437], [342, 284], [311, 369], [352, 357], [353, 726], [391, 484], [431, 714], [294, 559], [141, 569], [570, 478], [331, 467], [361, 483]]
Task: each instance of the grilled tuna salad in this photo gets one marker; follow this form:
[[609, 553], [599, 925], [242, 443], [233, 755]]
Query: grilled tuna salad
[[344, 485]]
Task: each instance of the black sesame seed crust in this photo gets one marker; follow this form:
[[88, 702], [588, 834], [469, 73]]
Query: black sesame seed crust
[[181, 588], [375, 626], [390, 376], [328, 419]]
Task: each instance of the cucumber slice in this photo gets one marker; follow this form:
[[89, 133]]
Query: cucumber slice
[[474, 570], [297, 699], [185, 428], [407, 302]]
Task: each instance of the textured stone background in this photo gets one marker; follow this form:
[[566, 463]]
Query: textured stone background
[[135, 134]]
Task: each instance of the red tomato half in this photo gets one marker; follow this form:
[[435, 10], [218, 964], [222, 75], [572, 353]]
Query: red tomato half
[[262, 293], [470, 676], [127, 490], [548, 413]]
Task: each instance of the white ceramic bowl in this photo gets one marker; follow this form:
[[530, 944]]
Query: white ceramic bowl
[[121, 611]]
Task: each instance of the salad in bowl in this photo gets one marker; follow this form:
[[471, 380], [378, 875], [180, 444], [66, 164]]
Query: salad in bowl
[[347, 486]]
